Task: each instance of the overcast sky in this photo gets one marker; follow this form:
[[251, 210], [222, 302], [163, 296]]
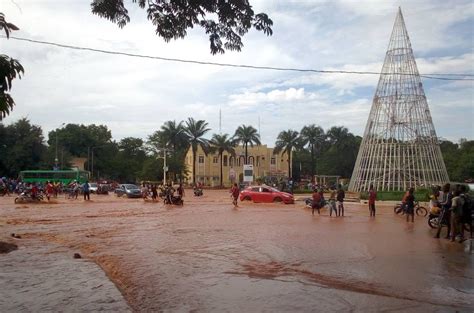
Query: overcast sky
[[134, 96]]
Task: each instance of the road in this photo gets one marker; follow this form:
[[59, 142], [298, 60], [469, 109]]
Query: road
[[208, 256]]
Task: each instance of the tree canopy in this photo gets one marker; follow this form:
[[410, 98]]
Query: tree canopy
[[226, 22]]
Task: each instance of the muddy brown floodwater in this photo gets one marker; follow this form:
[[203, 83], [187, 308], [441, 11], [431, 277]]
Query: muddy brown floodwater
[[207, 256]]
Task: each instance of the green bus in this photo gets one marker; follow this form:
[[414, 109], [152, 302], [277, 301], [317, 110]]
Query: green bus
[[40, 176]]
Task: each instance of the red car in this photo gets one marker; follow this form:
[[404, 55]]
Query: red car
[[265, 194]]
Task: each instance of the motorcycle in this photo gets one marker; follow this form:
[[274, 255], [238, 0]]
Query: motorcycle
[[27, 197], [176, 200], [198, 192], [309, 203]]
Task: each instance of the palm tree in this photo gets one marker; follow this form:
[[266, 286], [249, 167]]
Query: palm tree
[[195, 130], [286, 141], [246, 135], [9, 70], [313, 136], [174, 135], [221, 143]]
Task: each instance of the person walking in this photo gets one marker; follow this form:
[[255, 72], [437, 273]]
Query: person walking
[[86, 190], [445, 201], [316, 204], [180, 190], [340, 200], [154, 192], [410, 205], [372, 197], [235, 191], [332, 202], [456, 216], [49, 190]]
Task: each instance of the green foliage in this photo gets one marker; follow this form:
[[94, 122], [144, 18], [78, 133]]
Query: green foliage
[[333, 153], [246, 135], [224, 21], [9, 70], [195, 130], [459, 159], [220, 144], [286, 141], [21, 147], [420, 195]]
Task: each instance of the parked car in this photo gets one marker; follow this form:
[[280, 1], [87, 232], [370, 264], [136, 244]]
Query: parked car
[[265, 194], [93, 187], [129, 190]]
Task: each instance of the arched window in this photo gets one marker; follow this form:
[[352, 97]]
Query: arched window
[[225, 160], [241, 160], [231, 161], [251, 160]]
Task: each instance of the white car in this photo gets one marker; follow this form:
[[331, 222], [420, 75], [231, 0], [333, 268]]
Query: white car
[[93, 187]]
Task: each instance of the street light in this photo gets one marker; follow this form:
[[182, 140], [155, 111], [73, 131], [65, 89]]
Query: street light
[[165, 168], [56, 157]]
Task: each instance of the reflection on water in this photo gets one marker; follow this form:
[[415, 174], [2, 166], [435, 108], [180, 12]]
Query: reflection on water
[[206, 256]]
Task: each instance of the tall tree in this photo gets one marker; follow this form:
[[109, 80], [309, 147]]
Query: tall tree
[[21, 147], [286, 141], [195, 130], [313, 136], [222, 143], [9, 70], [246, 135], [225, 21]]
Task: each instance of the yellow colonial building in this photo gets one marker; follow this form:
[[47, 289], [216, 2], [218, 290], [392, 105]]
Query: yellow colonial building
[[264, 162]]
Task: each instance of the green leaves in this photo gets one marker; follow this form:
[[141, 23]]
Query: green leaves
[[9, 70], [172, 19]]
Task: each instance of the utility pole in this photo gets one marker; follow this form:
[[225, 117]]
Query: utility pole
[[165, 168]]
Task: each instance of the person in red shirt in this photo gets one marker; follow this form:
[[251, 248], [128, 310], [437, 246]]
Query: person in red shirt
[[372, 196], [235, 191], [34, 191], [49, 190], [316, 205]]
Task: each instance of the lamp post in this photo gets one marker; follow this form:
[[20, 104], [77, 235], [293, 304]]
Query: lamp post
[[56, 160], [165, 169]]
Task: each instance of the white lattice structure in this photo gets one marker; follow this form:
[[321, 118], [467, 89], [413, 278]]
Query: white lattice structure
[[400, 148]]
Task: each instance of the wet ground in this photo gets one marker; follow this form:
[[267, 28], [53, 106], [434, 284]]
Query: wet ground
[[207, 256]]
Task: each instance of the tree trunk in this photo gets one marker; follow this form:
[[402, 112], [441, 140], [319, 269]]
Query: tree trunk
[[313, 166], [246, 154], [289, 164], [221, 169], [194, 165]]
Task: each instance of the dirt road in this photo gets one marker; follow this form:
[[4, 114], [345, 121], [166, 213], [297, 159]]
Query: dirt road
[[207, 256]]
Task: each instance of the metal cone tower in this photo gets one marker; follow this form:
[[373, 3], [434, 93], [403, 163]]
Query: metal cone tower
[[400, 148]]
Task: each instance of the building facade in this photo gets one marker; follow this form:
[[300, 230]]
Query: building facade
[[266, 164]]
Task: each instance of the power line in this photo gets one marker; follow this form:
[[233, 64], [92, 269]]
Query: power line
[[287, 69]]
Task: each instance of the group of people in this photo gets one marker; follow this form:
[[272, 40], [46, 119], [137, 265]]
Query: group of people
[[335, 201], [454, 207], [166, 191]]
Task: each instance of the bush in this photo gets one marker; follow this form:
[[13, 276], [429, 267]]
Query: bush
[[420, 195]]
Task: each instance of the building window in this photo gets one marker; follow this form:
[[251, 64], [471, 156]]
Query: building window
[[201, 159], [272, 161], [258, 160], [215, 160], [225, 160], [242, 160], [251, 160]]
